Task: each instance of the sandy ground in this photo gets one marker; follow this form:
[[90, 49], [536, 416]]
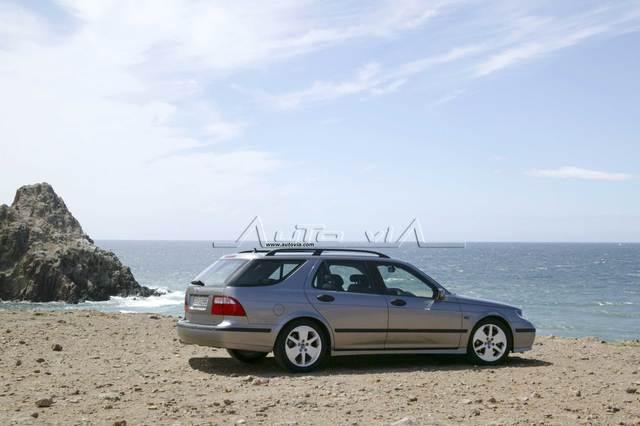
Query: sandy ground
[[115, 367]]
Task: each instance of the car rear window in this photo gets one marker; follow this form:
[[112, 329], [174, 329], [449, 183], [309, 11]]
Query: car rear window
[[219, 272], [266, 272]]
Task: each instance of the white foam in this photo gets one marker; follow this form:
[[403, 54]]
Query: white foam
[[173, 298]]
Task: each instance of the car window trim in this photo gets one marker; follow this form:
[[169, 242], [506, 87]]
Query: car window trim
[[379, 291], [236, 275], [412, 271]]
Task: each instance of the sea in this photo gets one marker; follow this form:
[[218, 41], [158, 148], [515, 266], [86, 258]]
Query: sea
[[565, 289]]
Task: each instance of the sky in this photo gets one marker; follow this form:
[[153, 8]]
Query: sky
[[487, 121]]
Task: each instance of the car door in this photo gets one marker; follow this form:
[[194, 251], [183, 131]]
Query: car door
[[416, 319], [346, 294]]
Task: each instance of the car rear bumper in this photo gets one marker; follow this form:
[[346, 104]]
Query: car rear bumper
[[226, 335]]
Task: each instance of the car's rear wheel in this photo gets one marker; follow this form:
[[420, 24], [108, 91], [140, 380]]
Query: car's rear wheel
[[247, 357], [489, 342], [301, 346]]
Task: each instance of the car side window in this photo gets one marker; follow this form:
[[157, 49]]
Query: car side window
[[266, 272], [348, 276], [400, 281]]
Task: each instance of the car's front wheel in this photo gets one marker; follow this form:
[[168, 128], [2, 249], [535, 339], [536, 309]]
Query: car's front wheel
[[301, 346], [246, 357], [489, 342]]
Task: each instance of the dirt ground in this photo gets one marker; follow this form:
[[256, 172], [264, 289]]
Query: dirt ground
[[110, 368]]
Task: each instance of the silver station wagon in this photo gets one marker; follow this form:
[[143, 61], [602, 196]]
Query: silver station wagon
[[306, 305]]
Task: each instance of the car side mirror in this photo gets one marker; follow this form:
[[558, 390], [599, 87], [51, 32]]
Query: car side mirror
[[440, 295]]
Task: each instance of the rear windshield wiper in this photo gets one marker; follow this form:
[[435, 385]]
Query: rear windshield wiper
[[197, 282]]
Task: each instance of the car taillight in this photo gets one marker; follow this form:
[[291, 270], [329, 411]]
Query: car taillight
[[225, 305]]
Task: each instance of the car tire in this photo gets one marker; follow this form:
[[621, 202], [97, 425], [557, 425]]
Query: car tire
[[302, 346], [246, 357], [489, 342]]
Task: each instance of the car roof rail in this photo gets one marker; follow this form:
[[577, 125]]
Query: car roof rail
[[254, 250], [319, 251]]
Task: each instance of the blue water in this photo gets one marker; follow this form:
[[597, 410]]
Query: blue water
[[565, 289]]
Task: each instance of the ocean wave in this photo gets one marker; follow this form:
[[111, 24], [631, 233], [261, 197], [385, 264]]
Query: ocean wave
[[614, 303], [173, 298]]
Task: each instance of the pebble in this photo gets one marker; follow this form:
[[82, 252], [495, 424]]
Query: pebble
[[56, 347], [18, 363], [466, 401], [631, 390], [404, 421], [110, 396], [44, 402], [40, 360], [35, 415], [120, 423]]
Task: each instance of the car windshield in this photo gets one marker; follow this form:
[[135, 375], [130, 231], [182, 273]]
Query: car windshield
[[219, 272]]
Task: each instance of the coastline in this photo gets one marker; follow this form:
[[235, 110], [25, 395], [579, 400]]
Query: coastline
[[114, 367]]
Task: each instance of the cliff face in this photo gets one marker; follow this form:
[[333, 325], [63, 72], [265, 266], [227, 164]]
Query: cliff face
[[46, 256]]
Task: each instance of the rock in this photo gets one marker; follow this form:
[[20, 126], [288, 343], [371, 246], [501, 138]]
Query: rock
[[154, 317], [120, 423], [413, 399], [110, 396], [465, 401], [404, 421], [35, 414], [578, 393], [44, 402], [631, 390], [492, 400], [241, 421], [259, 382], [56, 347], [39, 360], [18, 363], [46, 256]]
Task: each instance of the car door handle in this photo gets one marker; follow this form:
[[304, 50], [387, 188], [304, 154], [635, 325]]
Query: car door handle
[[325, 298], [398, 302]]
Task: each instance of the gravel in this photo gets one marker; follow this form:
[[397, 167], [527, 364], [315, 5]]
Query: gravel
[[130, 366]]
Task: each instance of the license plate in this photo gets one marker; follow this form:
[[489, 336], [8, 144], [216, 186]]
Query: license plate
[[199, 302]]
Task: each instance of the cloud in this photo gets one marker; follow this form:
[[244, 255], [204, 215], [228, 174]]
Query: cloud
[[118, 101], [569, 172], [371, 79], [497, 37], [533, 49], [367, 79]]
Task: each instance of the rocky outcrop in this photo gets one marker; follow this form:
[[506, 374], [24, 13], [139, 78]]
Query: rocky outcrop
[[46, 256]]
